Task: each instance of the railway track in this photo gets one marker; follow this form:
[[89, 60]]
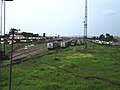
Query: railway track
[[23, 54], [30, 51]]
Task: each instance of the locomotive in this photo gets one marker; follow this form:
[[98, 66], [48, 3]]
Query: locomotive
[[53, 45]]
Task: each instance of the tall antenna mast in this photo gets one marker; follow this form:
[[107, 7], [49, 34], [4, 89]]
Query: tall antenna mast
[[1, 5], [85, 25]]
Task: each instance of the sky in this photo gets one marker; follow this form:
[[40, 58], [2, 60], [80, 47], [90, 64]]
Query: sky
[[63, 17]]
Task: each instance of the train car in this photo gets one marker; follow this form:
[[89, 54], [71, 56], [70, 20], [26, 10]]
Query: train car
[[53, 45], [73, 42], [65, 43], [78, 42], [62, 44]]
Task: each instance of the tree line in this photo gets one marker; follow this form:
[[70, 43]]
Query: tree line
[[25, 34], [107, 37]]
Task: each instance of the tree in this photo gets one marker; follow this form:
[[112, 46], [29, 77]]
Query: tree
[[102, 37], [94, 38], [26, 34], [107, 37]]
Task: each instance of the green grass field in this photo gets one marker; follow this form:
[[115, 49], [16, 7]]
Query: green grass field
[[42, 73]]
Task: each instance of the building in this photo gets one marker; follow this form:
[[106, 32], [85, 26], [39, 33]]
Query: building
[[17, 36]]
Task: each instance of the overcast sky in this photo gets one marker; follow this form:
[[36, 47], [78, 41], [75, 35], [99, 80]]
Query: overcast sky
[[63, 17]]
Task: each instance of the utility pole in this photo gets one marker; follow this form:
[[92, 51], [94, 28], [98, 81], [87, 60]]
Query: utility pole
[[85, 25], [10, 79], [2, 12], [13, 30], [5, 21], [2, 19]]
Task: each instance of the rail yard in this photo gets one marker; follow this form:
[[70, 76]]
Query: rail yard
[[34, 63], [22, 53], [59, 45]]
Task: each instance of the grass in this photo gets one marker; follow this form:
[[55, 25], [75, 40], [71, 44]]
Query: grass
[[102, 61]]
